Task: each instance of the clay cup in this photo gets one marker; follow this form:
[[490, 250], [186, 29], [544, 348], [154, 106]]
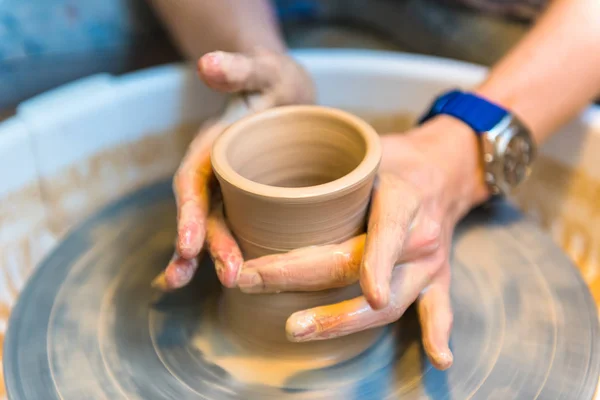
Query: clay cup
[[292, 177]]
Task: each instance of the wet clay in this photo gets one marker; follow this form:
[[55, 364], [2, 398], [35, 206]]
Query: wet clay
[[251, 367], [293, 177]]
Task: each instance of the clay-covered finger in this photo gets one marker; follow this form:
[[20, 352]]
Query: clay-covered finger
[[325, 267], [435, 315], [223, 248], [355, 315], [394, 207], [191, 186], [179, 272], [235, 72], [306, 269]]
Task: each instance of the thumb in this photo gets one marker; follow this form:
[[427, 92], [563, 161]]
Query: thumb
[[235, 72]]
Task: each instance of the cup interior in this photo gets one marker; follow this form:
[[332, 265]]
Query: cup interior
[[291, 149]]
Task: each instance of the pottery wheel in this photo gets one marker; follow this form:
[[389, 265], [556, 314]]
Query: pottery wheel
[[89, 326]]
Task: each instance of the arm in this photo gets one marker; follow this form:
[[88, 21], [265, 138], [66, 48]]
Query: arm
[[546, 79], [202, 26], [239, 50], [553, 73]]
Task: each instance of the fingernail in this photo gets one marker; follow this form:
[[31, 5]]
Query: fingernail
[[379, 298], [224, 278], [301, 327], [220, 269], [211, 60], [250, 281], [180, 272], [376, 296], [190, 237], [444, 359], [216, 65], [185, 245], [160, 282]]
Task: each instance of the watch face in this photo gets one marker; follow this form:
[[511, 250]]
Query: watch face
[[518, 156]]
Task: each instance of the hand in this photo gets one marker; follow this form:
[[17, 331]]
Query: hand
[[429, 178], [271, 79]]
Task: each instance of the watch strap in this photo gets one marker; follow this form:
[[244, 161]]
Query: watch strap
[[480, 114]]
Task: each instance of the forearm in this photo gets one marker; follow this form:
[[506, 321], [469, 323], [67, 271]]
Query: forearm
[[201, 26], [554, 72], [550, 76]]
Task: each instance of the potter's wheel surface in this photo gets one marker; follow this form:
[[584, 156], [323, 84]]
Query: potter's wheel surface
[[89, 326]]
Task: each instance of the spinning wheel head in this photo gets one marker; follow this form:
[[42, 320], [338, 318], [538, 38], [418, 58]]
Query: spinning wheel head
[[89, 325]]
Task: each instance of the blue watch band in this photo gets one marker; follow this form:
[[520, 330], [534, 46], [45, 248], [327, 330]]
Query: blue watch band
[[480, 114]]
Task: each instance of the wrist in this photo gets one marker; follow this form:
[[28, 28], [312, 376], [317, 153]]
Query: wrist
[[505, 146], [513, 101], [455, 149]]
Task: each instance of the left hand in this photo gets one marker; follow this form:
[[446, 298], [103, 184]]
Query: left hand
[[260, 80], [429, 178]]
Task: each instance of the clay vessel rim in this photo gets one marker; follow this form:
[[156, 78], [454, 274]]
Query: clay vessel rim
[[365, 169]]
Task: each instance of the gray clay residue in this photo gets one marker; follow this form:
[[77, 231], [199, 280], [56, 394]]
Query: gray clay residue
[[89, 326]]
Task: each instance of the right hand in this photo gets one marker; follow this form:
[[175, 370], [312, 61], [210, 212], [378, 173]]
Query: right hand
[[264, 79]]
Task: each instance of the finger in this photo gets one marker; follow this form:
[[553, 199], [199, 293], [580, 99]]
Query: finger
[[356, 315], [435, 310], [223, 248], [234, 72], [179, 272], [324, 267], [394, 207], [191, 186], [435, 315], [306, 269]]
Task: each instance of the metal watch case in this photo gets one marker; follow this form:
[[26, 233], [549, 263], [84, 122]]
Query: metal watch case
[[508, 154]]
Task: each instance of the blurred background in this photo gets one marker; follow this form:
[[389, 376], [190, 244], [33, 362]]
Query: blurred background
[[46, 43]]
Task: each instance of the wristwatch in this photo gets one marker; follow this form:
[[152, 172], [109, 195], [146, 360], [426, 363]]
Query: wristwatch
[[507, 146]]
